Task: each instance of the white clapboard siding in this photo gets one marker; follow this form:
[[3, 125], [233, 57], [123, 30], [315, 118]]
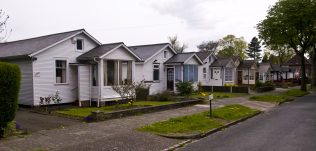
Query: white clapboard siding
[[84, 82], [26, 89]]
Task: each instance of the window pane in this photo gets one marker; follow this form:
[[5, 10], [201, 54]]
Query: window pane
[[60, 71], [228, 74], [94, 75], [79, 44], [178, 73], [156, 74], [110, 72]]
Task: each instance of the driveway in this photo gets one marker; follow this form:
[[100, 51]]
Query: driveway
[[291, 127], [33, 122]]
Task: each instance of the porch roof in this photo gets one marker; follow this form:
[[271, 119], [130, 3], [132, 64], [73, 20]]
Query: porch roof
[[145, 52], [221, 62], [246, 64], [102, 50], [182, 58], [264, 67]]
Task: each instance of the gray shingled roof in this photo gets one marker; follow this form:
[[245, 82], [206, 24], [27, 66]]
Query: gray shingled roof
[[221, 62], [146, 51], [278, 68], [99, 51], [264, 67], [23, 48], [203, 54], [180, 58], [246, 64]]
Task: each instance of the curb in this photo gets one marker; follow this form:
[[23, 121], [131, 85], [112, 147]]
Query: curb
[[201, 135], [177, 145]]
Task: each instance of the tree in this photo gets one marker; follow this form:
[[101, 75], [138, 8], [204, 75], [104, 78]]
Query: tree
[[291, 23], [4, 32], [265, 58], [232, 46], [254, 49], [208, 46], [175, 44]]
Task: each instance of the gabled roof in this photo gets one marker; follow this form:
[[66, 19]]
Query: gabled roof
[[246, 64], [264, 67], [145, 52], [100, 51], [221, 62], [296, 60], [183, 58], [32, 46], [204, 54], [279, 68]]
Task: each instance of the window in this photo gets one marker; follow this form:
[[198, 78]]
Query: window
[[61, 70], [165, 54], [190, 73], [212, 73], [79, 44], [228, 74], [245, 74], [252, 75], [117, 72], [156, 72], [204, 73], [94, 75], [261, 76]]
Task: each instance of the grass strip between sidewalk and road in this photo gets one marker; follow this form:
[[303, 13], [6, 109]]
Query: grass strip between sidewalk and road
[[279, 98], [199, 123]]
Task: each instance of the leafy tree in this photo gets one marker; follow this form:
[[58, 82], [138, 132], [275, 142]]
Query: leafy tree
[[230, 46], [291, 23], [208, 46], [4, 32], [254, 49], [175, 44]]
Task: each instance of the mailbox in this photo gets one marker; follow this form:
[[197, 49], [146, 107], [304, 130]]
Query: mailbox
[[210, 97]]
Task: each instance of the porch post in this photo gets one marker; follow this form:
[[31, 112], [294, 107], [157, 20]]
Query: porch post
[[101, 80], [248, 77]]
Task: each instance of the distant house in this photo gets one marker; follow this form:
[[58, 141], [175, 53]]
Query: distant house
[[281, 73], [151, 68], [247, 72], [182, 67], [223, 71], [295, 65], [264, 70]]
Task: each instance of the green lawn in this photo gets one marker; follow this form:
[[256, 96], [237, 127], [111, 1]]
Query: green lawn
[[199, 123], [295, 93], [279, 98], [85, 111], [217, 95]]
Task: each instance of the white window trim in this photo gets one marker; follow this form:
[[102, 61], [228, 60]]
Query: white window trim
[[67, 71], [232, 75], [156, 64], [78, 50], [165, 54]]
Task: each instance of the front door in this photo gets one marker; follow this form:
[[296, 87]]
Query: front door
[[170, 79], [239, 77]]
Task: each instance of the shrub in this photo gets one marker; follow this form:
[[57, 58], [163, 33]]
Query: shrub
[[10, 77], [164, 96], [184, 88], [269, 83], [258, 84], [142, 91], [200, 87], [230, 85]]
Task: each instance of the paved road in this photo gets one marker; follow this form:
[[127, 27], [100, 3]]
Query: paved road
[[291, 127]]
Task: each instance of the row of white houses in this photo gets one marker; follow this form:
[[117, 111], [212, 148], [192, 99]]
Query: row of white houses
[[82, 69]]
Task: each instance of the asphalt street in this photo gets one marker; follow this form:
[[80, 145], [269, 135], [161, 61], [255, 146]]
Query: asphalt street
[[290, 127]]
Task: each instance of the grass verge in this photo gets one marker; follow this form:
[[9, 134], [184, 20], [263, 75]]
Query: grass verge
[[85, 111], [283, 97], [217, 95], [295, 93], [200, 122]]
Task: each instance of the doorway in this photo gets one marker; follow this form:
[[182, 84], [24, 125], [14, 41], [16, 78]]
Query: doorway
[[170, 79]]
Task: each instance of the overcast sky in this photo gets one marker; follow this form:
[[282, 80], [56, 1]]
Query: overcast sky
[[137, 22]]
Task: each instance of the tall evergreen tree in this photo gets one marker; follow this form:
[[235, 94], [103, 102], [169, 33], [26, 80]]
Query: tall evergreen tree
[[254, 49], [265, 58]]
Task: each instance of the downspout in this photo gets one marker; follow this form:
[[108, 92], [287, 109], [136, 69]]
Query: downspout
[[99, 80]]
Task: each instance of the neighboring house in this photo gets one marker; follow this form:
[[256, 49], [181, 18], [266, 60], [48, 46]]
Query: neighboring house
[[223, 71], [182, 67], [281, 73], [207, 57], [295, 65], [150, 68], [247, 72], [73, 63], [264, 70]]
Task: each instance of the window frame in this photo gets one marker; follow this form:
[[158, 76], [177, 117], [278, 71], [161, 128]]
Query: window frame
[[165, 54], [252, 75], [229, 76], [95, 66], [65, 68], [155, 68], [82, 44], [204, 72]]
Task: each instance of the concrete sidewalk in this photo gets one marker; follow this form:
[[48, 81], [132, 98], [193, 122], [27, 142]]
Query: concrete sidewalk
[[117, 134]]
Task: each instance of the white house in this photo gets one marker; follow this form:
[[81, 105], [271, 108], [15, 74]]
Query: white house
[[223, 71], [207, 57], [73, 63], [182, 67], [151, 68], [247, 72], [264, 70]]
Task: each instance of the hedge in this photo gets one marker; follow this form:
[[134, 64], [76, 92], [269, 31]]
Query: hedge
[[10, 77]]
